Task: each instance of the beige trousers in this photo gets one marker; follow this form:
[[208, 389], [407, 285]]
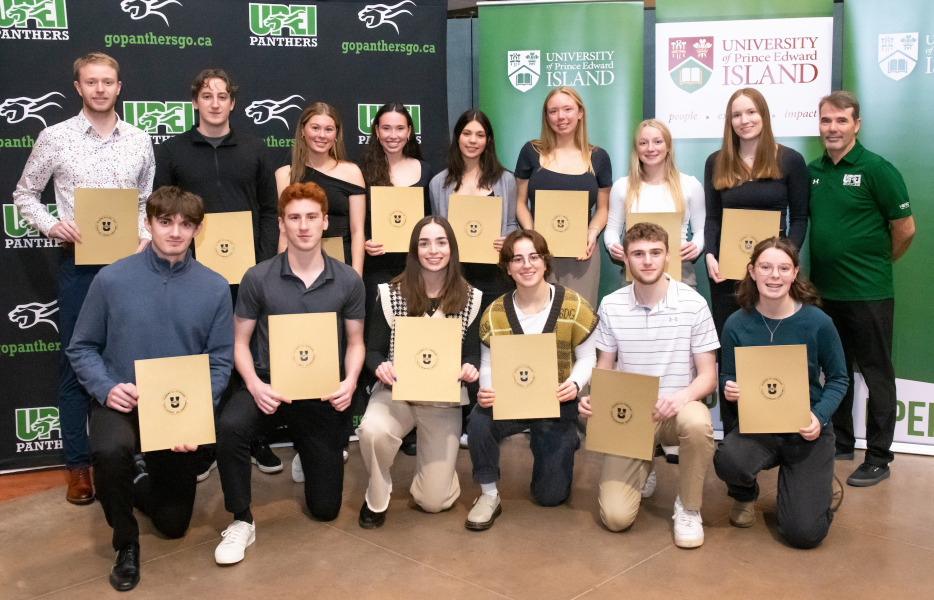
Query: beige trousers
[[435, 486], [622, 478]]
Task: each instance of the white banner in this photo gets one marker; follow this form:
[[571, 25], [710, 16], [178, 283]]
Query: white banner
[[915, 417], [699, 65]]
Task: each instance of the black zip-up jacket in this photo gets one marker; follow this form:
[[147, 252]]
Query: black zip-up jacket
[[235, 176]]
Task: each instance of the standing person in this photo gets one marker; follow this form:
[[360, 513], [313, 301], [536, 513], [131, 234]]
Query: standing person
[[654, 185], [318, 156], [392, 158], [94, 149], [662, 328], [431, 286], [474, 170], [563, 159], [779, 307], [230, 171], [302, 279], [860, 223], [750, 171], [536, 306], [155, 304]]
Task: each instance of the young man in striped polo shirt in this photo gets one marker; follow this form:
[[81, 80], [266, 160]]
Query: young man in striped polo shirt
[[663, 328]]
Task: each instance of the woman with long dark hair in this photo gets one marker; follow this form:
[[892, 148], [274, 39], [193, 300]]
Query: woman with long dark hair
[[779, 307], [431, 286]]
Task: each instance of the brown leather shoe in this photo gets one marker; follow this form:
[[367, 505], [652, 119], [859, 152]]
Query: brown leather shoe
[[80, 490]]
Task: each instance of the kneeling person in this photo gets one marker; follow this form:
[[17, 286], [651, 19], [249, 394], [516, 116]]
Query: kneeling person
[[155, 304], [302, 279], [662, 328]]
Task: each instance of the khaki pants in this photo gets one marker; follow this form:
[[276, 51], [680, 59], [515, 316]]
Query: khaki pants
[[435, 486], [622, 478]]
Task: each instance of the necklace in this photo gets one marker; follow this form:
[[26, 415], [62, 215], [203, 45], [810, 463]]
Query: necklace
[[771, 331]]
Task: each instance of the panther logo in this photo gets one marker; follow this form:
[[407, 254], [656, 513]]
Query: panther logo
[[303, 356], [524, 375], [276, 21], [374, 15], [426, 358], [152, 119], [20, 109], [621, 413], [772, 388], [747, 244], [397, 218], [474, 228], [41, 11], [140, 9], [263, 111], [560, 223], [30, 315], [174, 402]]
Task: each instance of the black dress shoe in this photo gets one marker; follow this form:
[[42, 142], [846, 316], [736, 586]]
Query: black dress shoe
[[125, 573], [370, 519]]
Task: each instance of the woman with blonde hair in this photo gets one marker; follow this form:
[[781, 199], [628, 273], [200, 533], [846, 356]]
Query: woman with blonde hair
[[563, 159], [655, 185], [318, 156]]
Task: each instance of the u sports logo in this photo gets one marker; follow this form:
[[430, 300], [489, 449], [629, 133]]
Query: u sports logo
[[274, 19], [898, 54], [367, 112], [34, 424], [15, 226], [41, 14], [171, 117]]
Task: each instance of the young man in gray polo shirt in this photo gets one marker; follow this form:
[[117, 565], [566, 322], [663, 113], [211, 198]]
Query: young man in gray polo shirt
[[303, 279], [662, 328]]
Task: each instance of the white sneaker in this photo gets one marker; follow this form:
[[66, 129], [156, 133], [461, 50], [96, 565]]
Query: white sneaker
[[346, 458], [463, 440], [298, 474], [649, 488], [207, 473], [237, 537], [689, 529]]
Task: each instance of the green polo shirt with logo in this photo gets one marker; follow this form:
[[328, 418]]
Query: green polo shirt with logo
[[852, 203]]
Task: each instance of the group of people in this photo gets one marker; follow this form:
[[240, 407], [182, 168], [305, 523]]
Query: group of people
[[161, 302]]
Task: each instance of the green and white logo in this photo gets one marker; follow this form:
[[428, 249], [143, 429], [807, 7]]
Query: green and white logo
[[171, 117], [40, 14], [367, 112], [34, 424], [15, 226], [524, 68], [275, 19]]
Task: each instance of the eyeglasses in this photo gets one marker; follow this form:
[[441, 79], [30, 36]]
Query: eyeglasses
[[765, 269], [534, 259]]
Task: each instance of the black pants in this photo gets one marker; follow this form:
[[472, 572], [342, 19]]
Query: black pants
[[805, 478], [723, 304], [316, 430], [167, 495], [865, 330]]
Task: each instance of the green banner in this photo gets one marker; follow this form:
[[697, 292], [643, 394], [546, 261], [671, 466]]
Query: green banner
[[526, 50], [889, 64]]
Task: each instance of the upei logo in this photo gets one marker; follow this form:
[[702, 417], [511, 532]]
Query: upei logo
[[772, 388], [852, 180], [397, 218], [30, 315], [140, 9], [524, 67], [273, 19], [560, 223], [15, 226], [36, 424], [747, 244], [690, 62], [224, 248], [263, 111], [524, 375], [367, 112], [171, 117], [22, 108], [374, 15], [898, 54], [621, 413], [473, 228], [426, 358], [106, 226], [41, 14], [303, 356], [174, 402]]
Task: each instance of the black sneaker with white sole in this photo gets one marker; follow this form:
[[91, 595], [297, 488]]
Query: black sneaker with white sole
[[264, 458]]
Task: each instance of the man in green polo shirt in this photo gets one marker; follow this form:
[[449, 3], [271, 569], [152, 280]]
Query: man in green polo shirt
[[860, 223]]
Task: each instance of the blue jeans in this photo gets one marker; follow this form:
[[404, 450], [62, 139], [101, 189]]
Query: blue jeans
[[73, 401], [554, 442]]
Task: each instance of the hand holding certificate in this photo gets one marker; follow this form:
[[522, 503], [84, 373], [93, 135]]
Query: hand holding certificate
[[525, 376], [108, 220], [175, 406], [394, 212], [741, 231], [774, 396], [622, 405], [427, 360]]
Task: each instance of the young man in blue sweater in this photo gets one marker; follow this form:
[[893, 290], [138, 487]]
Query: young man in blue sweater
[[154, 304]]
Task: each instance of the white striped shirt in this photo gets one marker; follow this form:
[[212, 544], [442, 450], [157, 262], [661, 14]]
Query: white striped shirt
[[661, 340]]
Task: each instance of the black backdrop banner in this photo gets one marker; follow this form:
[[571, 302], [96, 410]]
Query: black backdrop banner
[[353, 55]]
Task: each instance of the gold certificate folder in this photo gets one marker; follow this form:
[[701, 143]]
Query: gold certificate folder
[[741, 231], [774, 396], [477, 222], [175, 402], [108, 220], [427, 360], [671, 223], [303, 355], [225, 244], [395, 211], [525, 376], [622, 405], [561, 217]]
